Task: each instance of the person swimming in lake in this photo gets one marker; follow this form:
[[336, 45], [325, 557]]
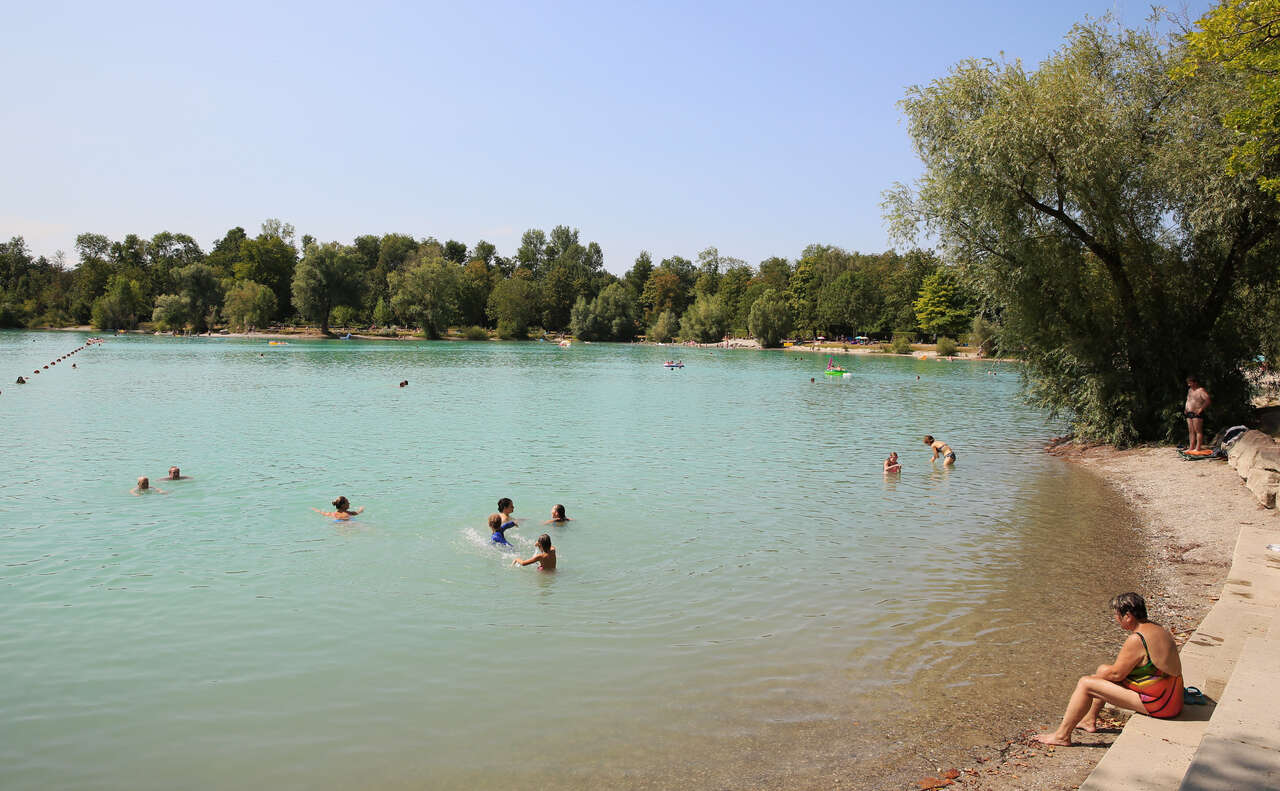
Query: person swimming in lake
[[940, 447], [498, 528], [557, 515], [176, 475], [891, 464], [545, 557], [342, 509], [144, 487]]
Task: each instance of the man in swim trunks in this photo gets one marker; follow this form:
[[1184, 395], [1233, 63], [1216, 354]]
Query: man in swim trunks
[[1197, 403], [940, 447]]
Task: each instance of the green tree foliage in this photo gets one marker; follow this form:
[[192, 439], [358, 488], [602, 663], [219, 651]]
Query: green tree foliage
[[638, 274], [327, 276], [664, 328], [1242, 37], [170, 312], [426, 293], [513, 304], [199, 287], [1088, 203], [706, 320], [249, 305], [473, 292], [941, 307], [611, 316], [270, 260], [382, 314], [455, 251], [531, 254], [119, 307], [226, 252], [946, 347], [770, 319]]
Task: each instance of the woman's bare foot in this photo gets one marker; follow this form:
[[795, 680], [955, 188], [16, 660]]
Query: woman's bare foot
[[1088, 727], [1051, 738]]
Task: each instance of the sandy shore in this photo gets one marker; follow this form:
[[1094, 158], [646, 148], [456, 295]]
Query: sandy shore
[[1191, 514]]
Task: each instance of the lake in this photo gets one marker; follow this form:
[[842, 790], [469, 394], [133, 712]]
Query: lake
[[743, 598]]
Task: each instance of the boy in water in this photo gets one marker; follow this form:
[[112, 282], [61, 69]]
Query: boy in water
[[948, 455], [545, 557]]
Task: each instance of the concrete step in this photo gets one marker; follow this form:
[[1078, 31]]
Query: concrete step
[[1240, 748]]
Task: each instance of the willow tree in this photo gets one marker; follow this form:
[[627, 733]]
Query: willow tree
[[1087, 204], [327, 276]]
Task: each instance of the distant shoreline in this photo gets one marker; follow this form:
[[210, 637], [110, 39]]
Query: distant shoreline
[[926, 351]]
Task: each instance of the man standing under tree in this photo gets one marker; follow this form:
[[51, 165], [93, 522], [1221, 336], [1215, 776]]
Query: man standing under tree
[[1197, 403]]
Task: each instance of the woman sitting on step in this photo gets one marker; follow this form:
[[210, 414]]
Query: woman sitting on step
[[1146, 676]]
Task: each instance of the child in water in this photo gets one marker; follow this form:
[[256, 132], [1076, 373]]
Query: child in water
[[498, 529], [545, 557], [342, 509], [891, 464], [557, 515]]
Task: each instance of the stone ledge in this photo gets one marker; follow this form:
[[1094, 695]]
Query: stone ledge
[[1256, 457]]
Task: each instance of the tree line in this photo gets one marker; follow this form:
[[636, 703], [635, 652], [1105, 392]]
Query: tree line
[[553, 282]]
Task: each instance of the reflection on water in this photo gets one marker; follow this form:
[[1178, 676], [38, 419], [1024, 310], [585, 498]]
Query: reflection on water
[[743, 597]]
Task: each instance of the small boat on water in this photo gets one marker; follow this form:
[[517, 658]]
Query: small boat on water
[[673, 364]]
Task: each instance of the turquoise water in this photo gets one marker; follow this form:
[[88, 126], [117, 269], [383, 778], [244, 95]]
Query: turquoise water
[[740, 586]]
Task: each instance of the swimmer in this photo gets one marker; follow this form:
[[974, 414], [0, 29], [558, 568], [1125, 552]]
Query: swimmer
[[144, 487], [891, 464], [21, 381], [557, 515], [948, 455], [176, 475], [498, 528], [545, 556], [404, 383], [505, 507], [342, 510]]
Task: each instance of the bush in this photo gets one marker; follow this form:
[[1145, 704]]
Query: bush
[[475, 333], [901, 344], [946, 346], [510, 330]]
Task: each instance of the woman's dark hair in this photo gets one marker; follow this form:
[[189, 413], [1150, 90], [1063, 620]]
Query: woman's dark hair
[[504, 502], [544, 542], [558, 511], [1130, 603], [928, 438], [342, 503]]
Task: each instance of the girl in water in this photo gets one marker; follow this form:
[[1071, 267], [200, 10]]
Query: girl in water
[[545, 557], [891, 464], [498, 529], [940, 447], [342, 509], [557, 516]]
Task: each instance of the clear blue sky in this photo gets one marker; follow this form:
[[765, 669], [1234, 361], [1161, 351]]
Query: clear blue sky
[[758, 128]]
